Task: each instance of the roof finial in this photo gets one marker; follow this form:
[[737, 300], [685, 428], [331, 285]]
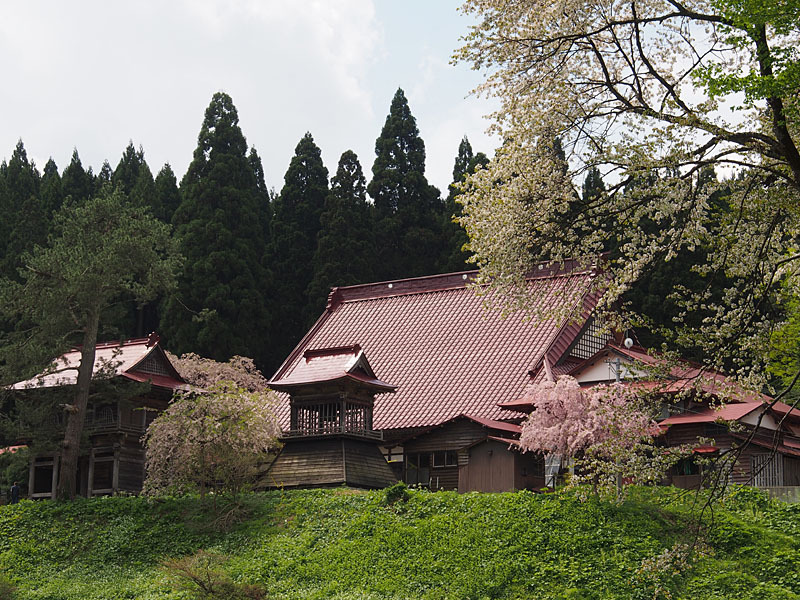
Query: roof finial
[[153, 339]]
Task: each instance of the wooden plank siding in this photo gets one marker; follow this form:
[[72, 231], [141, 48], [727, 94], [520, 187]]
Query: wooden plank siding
[[509, 469], [490, 469], [494, 467], [329, 462], [757, 465], [365, 466], [453, 436]]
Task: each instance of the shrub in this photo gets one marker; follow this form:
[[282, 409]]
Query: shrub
[[202, 575], [8, 591], [396, 493]]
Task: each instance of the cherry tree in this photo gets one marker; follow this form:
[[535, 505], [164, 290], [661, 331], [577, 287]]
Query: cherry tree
[[654, 94], [607, 429], [216, 435], [213, 438]]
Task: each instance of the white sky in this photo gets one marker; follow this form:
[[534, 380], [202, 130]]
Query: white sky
[[93, 75]]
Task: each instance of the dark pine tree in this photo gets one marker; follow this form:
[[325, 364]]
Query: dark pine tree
[[220, 301], [104, 177], [264, 194], [50, 190], [345, 245], [27, 218], [408, 210], [127, 172], [167, 195], [593, 186], [134, 178], [295, 225], [466, 162], [77, 183]]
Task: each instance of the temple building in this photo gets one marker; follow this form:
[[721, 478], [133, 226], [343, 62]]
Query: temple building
[[112, 458]]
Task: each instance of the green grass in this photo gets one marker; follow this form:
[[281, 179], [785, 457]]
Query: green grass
[[344, 544]]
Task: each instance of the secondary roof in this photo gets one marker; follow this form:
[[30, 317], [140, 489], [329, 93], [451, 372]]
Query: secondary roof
[[140, 359]]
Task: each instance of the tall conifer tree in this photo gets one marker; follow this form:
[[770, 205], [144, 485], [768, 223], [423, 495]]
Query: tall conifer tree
[[167, 195], [265, 196], [465, 164], [127, 172], [104, 176], [134, 177], [27, 219], [50, 190], [593, 186], [220, 298], [345, 245], [77, 183], [408, 210], [295, 225]]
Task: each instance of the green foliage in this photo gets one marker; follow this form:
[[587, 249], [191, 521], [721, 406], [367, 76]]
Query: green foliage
[[348, 544], [203, 577], [25, 218], [77, 183], [593, 186], [14, 467], [345, 244], [397, 493], [167, 195], [295, 227], [219, 224], [466, 162], [408, 211]]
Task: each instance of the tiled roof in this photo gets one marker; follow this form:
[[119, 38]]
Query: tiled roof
[[728, 412], [788, 447], [436, 340], [326, 365], [111, 359], [492, 424], [682, 376]]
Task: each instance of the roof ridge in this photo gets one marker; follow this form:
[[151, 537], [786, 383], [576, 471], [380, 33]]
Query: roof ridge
[[442, 282], [150, 340]]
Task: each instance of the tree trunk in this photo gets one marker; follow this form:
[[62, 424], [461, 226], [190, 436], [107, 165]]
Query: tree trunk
[[70, 447]]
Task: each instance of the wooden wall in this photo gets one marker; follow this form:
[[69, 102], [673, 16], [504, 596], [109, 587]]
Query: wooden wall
[[329, 462], [491, 468], [452, 436]]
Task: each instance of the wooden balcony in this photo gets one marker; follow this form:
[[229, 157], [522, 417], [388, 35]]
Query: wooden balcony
[[333, 431]]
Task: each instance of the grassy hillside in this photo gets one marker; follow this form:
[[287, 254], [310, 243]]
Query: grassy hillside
[[345, 544]]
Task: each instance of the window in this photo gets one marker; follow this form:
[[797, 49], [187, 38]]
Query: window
[[445, 458]]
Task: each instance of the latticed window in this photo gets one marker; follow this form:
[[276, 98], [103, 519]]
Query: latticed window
[[331, 417], [767, 470], [316, 418], [357, 418], [591, 341], [153, 365], [105, 415]]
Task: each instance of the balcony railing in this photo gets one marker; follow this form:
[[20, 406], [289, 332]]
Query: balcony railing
[[330, 431]]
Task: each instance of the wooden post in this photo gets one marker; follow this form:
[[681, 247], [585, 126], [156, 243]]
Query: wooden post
[[31, 478], [90, 482], [54, 483], [115, 476]]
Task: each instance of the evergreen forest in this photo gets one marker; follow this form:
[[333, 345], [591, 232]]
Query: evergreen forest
[[256, 257]]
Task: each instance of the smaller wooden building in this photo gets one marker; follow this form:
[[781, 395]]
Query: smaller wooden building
[[331, 440], [113, 459], [756, 439], [469, 453]]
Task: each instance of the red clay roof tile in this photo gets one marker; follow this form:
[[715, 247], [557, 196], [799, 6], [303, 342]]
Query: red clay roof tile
[[435, 339]]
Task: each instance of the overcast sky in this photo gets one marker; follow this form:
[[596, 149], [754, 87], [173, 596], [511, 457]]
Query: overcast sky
[[93, 75]]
